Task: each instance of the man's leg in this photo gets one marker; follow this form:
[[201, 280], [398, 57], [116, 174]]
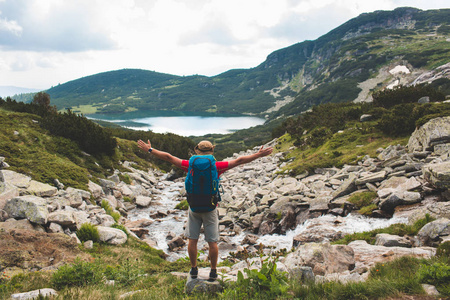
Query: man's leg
[[213, 254], [192, 251]]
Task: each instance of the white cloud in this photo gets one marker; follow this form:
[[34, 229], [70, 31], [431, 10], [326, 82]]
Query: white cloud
[[43, 43]]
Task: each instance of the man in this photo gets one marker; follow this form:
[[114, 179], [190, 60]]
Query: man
[[210, 220]]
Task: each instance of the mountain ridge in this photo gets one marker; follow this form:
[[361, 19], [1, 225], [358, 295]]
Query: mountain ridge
[[336, 62]]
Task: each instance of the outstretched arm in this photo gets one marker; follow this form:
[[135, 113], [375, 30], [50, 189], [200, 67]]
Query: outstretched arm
[[248, 158], [160, 154]]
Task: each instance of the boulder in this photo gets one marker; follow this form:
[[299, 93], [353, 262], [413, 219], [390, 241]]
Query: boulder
[[372, 177], [28, 207], [202, 286], [95, 189], [432, 233], [395, 199], [112, 236], [388, 240], [366, 255], [347, 187], [16, 179], [322, 258], [74, 196], [40, 189], [438, 174], [36, 294], [143, 201], [176, 242], [7, 191], [11, 224], [434, 132], [63, 218]]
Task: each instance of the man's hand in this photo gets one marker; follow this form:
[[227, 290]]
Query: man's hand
[[264, 152], [144, 146]]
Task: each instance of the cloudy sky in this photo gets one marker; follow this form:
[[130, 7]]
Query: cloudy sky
[[46, 42]]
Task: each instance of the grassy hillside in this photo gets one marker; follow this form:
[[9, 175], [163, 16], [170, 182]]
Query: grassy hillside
[[30, 148], [314, 72]]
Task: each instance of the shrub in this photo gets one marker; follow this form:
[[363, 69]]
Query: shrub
[[367, 210], [88, 232], [363, 199], [443, 250], [437, 274], [109, 210], [183, 205], [80, 273], [121, 227], [268, 282]]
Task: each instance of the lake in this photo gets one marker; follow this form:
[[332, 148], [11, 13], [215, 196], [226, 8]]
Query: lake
[[184, 124]]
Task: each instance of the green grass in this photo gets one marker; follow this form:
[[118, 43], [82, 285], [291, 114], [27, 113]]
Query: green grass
[[394, 229], [341, 148], [31, 150]]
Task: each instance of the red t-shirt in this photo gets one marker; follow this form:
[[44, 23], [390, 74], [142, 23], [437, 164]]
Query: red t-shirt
[[221, 166]]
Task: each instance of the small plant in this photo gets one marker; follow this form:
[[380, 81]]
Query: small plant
[[363, 199], [443, 250], [125, 273], [367, 210], [110, 211], [125, 178], [183, 205], [437, 274], [267, 282], [80, 273], [121, 227], [127, 199], [88, 232]]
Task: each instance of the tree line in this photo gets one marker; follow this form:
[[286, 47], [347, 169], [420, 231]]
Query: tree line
[[394, 112], [91, 137]]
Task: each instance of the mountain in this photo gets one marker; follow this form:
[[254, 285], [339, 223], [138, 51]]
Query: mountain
[[11, 91], [346, 64]]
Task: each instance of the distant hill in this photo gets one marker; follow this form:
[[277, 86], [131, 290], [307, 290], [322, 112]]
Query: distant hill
[[6, 91], [346, 64]]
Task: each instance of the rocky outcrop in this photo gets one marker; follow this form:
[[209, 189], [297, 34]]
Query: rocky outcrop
[[322, 258], [434, 132], [28, 207]]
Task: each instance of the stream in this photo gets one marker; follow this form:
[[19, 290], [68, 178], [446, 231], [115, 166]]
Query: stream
[[172, 221]]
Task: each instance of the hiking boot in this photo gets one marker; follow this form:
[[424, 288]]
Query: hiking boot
[[212, 275], [194, 272]]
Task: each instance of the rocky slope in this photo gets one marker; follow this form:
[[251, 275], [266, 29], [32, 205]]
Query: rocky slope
[[409, 182]]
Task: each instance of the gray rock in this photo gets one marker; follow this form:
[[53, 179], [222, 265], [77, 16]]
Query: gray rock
[[430, 290], [202, 286], [176, 242], [433, 232], [438, 174], [143, 201], [63, 218], [346, 187], [41, 293], [112, 236], [398, 198], [28, 207], [55, 228], [88, 244], [40, 189], [388, 240], [322, 258], [96, 190], [434, 132], [373, 177], [16, 179], [7, 191]]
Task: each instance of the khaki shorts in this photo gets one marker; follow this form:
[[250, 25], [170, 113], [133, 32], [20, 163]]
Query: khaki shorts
[[210, 221]]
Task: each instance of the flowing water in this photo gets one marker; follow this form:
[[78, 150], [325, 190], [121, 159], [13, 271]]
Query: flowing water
[[175, 220]]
